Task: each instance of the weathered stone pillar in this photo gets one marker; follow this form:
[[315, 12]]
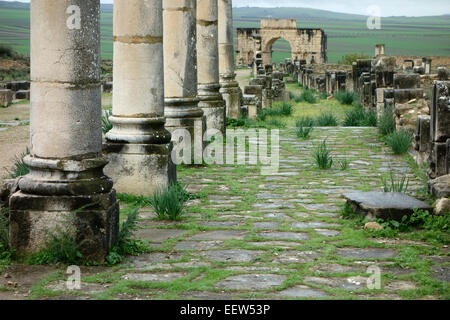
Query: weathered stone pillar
[[230, 90], [138, 146], [180, 71], [66, 187], [211, 101]]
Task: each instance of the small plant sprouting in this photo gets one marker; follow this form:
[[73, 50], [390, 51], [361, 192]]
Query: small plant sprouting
[[106, 124], [343, 164], [304, 132], [169, 203], [395, 186], [399, 141], [20, 169], [322, 156]]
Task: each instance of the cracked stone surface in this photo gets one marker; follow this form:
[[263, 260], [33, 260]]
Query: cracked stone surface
[[252, 282]]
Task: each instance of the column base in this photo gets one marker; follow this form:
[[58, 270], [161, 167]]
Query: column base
[[213, 106], [231, 93], [139, 169], [93, 220]]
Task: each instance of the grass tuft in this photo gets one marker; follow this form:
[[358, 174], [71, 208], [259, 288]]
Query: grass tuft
[[322, 156], [399, 141]]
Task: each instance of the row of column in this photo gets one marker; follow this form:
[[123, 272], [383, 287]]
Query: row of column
[[158, 88]]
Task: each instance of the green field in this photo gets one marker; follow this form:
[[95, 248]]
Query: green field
[[347, 33]]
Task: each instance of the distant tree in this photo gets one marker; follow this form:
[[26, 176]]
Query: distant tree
[[352, 57]]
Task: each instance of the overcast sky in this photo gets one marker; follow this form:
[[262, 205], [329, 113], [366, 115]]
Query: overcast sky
[[388, 7]]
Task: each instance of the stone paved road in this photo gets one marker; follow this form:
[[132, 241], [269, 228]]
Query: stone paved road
[[253, 236]]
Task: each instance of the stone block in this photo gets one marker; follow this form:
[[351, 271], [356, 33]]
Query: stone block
[[406, 95], [438, 160], [443, 74], [23, 95], [18, 85], [406, 81], [6, 97], [384, 205], [440, 187], [422, 136], [440, 111], [107, 87], [93, 220]]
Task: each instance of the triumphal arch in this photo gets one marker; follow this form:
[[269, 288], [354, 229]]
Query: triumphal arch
[[306, 43]]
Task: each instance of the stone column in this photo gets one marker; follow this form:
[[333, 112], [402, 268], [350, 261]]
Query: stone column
[[180, 72], [138, 146], [211, 101], [230, 90], [66, 187]]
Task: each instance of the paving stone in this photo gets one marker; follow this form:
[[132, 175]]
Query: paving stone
[[302, 225], [274, 244], [273, 205], [220, 235], [158, 235], [366, 253], [301, 291], [147, 259], [398, 285], [337, 268], [252, 282], [207, 296], [296, 257], [441, 273], [197, 245], [236, 255], [327, 232], [87, 288], [154, 277], [438, 259], [266, 225], [284, 235], [222, 223], [277, 215], [351, 283]]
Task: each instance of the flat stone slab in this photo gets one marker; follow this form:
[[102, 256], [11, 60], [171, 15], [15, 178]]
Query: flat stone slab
[[252, 282], [351, 283], [88, 288], [301, 291], [297, 257], [366, 253], [197, 245], [384, 205], [220, 235], [441, 273], [158, 235], [236, 255], [266, 225], [304, 225], [327, 232], [154, 277], [274, 244], [284, 235]]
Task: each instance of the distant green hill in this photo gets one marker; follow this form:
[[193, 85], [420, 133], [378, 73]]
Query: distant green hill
[[347, 33]]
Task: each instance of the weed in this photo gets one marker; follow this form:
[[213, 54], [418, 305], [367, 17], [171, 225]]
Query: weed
[[304, 132], [326, 120], [308, 96], [125, 244], [304, 122], [106, 124], [345, 97], [343, 164], [20, 169], [399, 141], [386, 122], [357, 117], [169, 203], [395, 186], [322, 156]]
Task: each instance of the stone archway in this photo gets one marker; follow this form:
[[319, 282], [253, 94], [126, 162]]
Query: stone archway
[[268, 49], [306, 43]]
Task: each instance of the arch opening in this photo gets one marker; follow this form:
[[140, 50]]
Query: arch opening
[[277, 50]]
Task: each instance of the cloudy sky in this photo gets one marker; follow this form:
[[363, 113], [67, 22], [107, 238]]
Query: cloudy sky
[[387, 7]]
